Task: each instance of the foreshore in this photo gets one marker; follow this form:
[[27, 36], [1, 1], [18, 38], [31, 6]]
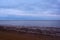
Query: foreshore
[[23, 33]]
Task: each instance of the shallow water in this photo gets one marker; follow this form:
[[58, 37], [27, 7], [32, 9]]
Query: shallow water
[[32, 23]]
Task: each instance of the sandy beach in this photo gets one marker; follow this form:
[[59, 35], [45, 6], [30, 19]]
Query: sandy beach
[[5, 35]]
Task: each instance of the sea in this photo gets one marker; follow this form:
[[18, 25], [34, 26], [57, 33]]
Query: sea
[[41, 23]]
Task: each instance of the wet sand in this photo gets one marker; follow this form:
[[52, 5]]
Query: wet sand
[[4, 35]]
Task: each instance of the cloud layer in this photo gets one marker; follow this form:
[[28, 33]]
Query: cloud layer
[[32, 8], [25, 13]]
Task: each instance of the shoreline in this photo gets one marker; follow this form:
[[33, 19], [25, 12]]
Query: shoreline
[[24, 33], [40, 30]]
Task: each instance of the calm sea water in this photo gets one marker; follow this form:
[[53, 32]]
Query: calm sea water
[[32, 23]]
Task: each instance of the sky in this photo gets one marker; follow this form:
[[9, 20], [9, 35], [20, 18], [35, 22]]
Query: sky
[[29, 9]]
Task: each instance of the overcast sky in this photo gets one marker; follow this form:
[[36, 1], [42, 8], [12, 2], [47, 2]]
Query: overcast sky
[[29, 9]]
